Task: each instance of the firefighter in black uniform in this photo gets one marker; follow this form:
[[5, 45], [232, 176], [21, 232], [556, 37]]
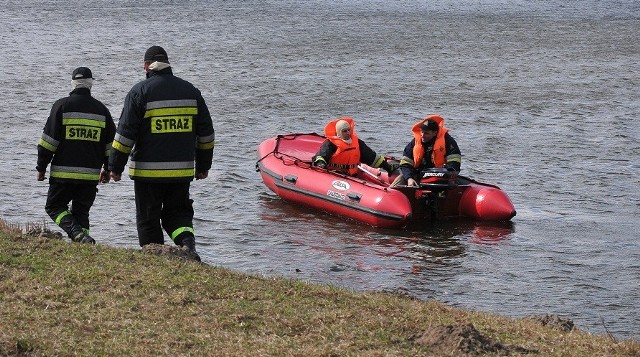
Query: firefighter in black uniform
[[342, 151], [166, 128], [76, 141], [431, 146]]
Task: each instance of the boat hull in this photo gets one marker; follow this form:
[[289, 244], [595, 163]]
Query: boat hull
[[287, 172], [285, 166], [485, 202]]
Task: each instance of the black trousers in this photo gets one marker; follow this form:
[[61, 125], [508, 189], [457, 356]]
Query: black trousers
[[162, 206], [80, 195]]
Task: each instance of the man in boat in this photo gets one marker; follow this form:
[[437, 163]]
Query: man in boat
[[76, 140], [342, 151], [431, 146], [166, 127]]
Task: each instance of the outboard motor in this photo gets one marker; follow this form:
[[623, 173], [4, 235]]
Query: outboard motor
[[434, 183], [438, 179]]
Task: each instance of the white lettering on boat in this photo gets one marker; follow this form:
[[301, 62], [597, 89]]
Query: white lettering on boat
[[335, 195], [340, 185]]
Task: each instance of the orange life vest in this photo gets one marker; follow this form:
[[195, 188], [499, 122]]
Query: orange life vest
[[438, 156], [347, 156]]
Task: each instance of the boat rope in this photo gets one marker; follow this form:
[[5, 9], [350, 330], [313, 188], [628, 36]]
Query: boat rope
[[292, 159]]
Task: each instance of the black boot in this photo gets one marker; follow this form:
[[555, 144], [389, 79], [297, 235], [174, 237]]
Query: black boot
[[83, 237], [189, 242], [87, 239], [74, 230]]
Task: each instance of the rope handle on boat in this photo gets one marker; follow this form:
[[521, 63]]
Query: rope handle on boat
[[279, 155]]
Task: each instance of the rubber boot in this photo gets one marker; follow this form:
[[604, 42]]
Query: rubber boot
[[83, 237], [74, 230], [189, 242], [87, 239]]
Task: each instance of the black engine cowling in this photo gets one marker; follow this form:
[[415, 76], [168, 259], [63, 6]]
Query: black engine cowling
[[438, 178]]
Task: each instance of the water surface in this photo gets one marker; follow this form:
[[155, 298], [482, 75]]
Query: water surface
[[542, 98]]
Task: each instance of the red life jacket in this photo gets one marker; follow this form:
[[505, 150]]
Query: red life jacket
[[347, 156], [438, 156]]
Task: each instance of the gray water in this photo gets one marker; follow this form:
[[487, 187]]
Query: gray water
[[542, 97]]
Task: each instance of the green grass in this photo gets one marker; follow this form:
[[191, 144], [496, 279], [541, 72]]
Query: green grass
[[66, 299]]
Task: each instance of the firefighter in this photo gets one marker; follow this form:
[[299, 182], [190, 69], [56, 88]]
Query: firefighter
[[76, 141], [166, 128], [431, 146], [342, 151]]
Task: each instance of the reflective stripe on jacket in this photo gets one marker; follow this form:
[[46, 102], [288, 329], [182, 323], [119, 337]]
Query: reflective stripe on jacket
[[76, 139], [166, 127]]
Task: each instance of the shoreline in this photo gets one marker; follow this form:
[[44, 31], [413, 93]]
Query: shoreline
[[60, 296]]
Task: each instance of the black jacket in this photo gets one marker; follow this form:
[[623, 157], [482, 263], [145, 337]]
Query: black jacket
[[76, 138], [452, 154], [165, 125], [367, 155]]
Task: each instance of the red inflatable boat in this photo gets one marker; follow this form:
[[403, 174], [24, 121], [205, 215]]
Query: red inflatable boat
[[285, 165]]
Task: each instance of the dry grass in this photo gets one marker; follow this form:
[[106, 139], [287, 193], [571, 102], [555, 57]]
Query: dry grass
[[64, 299]]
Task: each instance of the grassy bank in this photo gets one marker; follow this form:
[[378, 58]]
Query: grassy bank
[[62, 298]]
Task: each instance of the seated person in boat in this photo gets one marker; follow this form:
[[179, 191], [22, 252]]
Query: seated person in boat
[[342, 151], [431, 146]]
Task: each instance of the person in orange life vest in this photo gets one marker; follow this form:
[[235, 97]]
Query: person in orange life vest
[[343, 151], [431, 146]]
